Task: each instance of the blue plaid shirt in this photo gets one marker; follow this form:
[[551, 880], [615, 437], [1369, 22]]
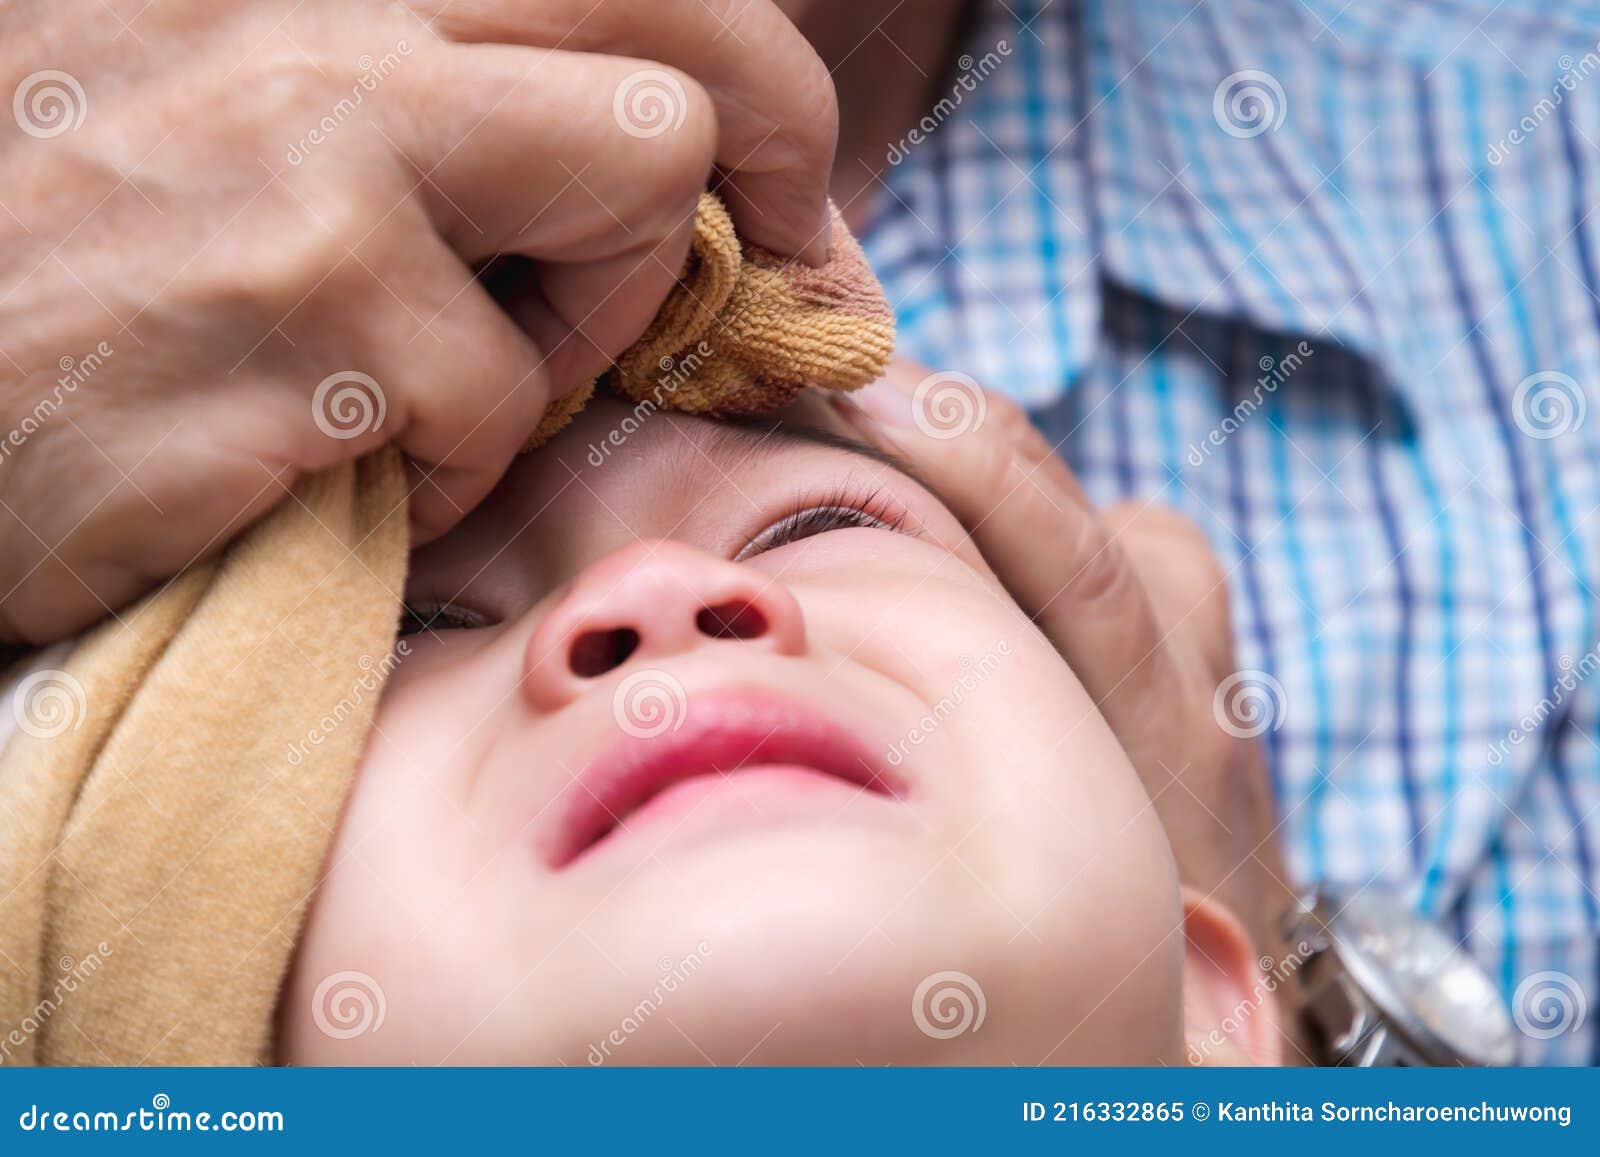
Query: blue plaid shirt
[[1130, 216]]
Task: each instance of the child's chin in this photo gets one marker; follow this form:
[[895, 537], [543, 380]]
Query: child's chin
[[785, 1003], [797, 958], [836, 882]]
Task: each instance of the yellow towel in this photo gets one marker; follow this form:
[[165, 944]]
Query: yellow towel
[[170, 795], [745, 331]]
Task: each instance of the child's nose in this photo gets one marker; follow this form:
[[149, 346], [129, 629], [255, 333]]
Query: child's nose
[[647, 603]]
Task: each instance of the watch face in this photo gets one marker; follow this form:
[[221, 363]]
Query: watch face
[[1421, 980]]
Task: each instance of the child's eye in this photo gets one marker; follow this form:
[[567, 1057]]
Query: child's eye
[[839, 513], [419, 615]]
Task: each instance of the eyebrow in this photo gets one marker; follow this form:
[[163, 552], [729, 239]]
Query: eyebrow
[[752, 433]]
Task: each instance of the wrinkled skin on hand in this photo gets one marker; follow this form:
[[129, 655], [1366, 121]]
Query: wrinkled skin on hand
[[243, 241]]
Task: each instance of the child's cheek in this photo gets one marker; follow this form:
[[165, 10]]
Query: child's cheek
[[924, 619]]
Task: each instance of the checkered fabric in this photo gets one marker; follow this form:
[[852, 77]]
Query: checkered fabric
[[1324, 276]]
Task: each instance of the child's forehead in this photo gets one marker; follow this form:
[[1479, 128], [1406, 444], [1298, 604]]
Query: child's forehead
[[644, 472], [612, 430]]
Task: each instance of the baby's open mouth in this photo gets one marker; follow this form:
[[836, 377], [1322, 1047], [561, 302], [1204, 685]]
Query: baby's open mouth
[[753, 750]]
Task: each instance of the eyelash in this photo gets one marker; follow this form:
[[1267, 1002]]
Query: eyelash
[[845, 509], [429, 615]]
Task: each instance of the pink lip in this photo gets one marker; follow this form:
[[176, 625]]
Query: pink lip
[[722, 735]]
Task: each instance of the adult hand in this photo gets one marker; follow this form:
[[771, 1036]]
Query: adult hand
[[1134, 599], [238, 242]]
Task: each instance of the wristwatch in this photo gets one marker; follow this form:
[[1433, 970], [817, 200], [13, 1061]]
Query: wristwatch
[[1382, 986]]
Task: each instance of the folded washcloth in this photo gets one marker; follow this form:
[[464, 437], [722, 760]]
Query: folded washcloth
[[745, 331], [171, 792]]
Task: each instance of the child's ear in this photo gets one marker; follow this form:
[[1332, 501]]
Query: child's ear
[[1230, 1006]]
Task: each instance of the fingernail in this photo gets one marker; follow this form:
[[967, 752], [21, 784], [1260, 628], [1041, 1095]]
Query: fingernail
[[820, 249], [886, 403]]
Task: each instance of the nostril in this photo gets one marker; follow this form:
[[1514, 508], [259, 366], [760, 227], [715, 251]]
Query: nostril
[[596, 652], [736, 620]]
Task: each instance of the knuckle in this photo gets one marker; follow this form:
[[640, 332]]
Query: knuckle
[[816, 112], [1103, 572], [798, 74], [1191, 556], [1176, 546], [1006, 420], [280, 278], [295, 250], [993, 455], [277, 91], [668, 170], [694, 146], [990, 466], [1196, 555], [1027, 449], [272, 105], [1186, 533], [676, 136]]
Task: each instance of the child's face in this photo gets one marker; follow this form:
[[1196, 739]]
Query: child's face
[[747, 746]]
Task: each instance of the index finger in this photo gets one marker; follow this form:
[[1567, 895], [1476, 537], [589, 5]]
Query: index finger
[[777, 117], [1037, 530]]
